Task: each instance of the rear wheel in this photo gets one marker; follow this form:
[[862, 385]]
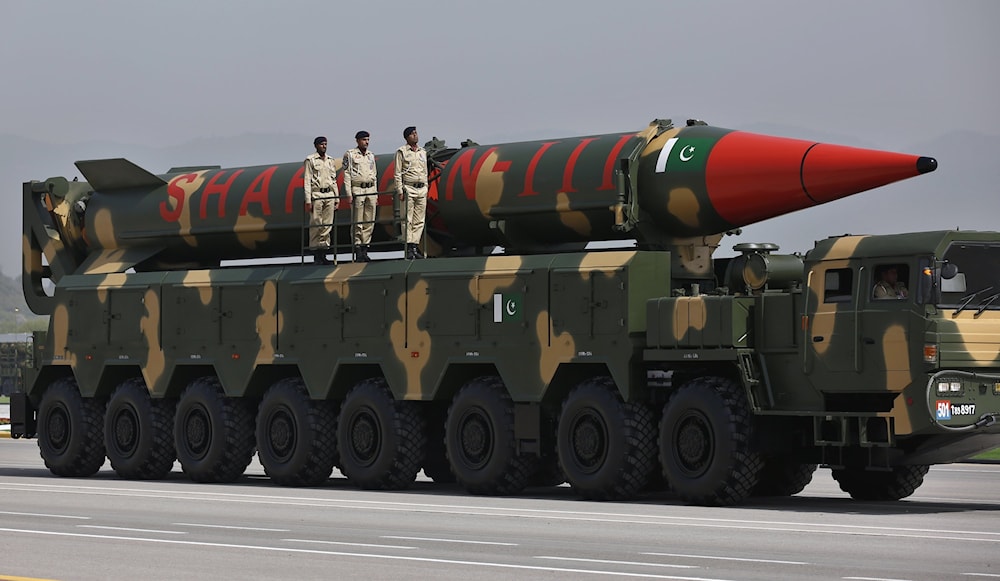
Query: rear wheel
[[70, 430], [479, 439], [607, 448], [705, 443], [894, 484], [382, 441], [138, 432], [296, 436], [213, 434]]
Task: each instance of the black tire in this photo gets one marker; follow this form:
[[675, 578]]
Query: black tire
[[895, 484], [607, 448], [781, 477], [138, 432], [70, 430], [213, 434], [480, 442], [296, 436], [382, 442], [705, 443]]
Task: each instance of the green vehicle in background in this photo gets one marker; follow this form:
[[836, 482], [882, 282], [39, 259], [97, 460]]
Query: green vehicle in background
[[515, 355]]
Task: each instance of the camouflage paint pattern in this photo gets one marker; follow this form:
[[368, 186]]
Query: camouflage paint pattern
[[139, 291]]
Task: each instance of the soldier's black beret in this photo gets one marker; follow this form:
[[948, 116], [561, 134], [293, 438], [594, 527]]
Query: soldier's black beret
[[319, 140], [361, 135], [408, 131]]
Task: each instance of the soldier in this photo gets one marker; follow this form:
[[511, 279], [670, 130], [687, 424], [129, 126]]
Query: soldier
[[321, 199], [890, 287], [360, 175], [411, 187]]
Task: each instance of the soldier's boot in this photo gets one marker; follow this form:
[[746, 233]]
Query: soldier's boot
[[363, 253], [319, 257], [413, 251]]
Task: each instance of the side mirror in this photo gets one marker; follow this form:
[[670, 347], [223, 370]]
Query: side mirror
[[948, 271]]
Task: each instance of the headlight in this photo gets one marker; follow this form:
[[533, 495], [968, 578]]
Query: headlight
[[943, 386], [956, 386]]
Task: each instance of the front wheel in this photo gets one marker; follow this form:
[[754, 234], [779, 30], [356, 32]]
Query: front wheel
[[70, 430], [894, 484]]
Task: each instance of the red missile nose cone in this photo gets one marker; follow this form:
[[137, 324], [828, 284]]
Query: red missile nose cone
[[830, 172], [753, 177]]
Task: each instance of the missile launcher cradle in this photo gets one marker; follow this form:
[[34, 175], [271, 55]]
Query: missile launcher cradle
[[513, 356]]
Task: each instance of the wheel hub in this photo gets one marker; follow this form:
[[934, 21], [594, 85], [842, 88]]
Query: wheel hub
[[125, 426], [693, 444], [590, 441], [281, 434], [197, 432], [365, 437], [476, 438]]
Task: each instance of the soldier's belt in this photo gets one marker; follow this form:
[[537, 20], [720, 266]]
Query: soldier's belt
[[324, 190], [363, 184], [415, 184]]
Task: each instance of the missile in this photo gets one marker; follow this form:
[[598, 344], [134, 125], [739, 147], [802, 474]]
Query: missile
[[655, 186]]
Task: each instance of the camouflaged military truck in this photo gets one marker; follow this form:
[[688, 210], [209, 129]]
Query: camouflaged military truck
[[513, 356]]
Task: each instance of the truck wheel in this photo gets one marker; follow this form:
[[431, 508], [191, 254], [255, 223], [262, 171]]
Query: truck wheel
[[607, 448], [705, 437], [213, 434], [780, 477], [71, 430], [895, 484], [296, 436], [382, 441], [480, 442], [138, 432]]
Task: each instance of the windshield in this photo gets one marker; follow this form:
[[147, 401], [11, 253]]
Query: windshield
[[976, 286]]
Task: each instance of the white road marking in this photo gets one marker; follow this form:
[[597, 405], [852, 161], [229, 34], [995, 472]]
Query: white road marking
[[608, 562], [189, 524], [362, 555], [982, 574], [525, 513], [726, 558], [132, 530], [448, 541], [45, 515], [347, 544], [874, 579]]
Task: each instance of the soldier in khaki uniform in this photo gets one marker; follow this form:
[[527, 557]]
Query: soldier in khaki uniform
[[889, 286], [411, 187], [321, 199], [360, 175]]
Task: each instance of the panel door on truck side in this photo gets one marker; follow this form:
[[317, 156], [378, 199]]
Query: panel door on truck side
[[832, 358], [887, 347]]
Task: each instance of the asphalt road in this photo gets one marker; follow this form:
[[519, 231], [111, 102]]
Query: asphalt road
[[105, 528]]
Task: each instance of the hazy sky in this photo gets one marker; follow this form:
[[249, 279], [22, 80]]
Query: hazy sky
[[882, 74], [168, 72]]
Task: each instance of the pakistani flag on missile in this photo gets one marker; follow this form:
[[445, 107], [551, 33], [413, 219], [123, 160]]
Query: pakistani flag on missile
[[688, 154], [507, 307]]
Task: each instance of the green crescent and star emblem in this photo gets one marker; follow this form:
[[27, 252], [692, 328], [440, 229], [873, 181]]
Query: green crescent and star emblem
[[684, 154], [507, 307]]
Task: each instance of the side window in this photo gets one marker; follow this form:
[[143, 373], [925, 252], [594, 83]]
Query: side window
[[891, 281], [837, 285]]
